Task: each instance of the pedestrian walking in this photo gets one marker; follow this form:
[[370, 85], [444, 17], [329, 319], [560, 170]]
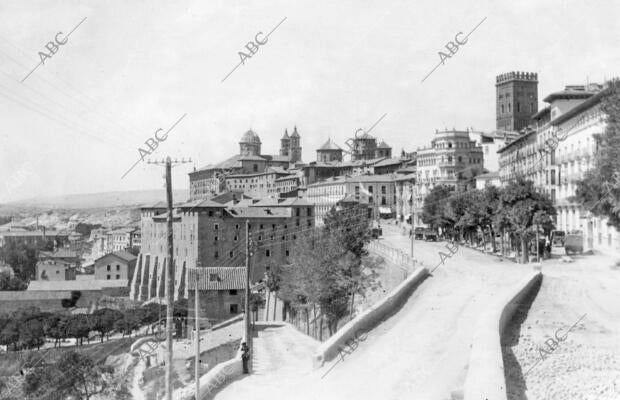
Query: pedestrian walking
[[245, 357]]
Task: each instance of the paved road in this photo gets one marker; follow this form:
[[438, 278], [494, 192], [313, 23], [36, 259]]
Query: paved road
[[421, 352]]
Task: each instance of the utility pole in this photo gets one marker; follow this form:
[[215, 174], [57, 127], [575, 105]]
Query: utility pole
[[169, 274], [413, 216], [248, 332], [197, 361]]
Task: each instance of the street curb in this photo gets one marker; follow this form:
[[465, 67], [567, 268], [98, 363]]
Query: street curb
[[369, 318], [485, 377]]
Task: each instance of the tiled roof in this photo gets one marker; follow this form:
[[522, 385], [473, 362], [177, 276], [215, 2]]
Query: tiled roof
[[228, 163], [251, 158], [122, 254], [216, 278], [250, 137], [281, 202], [259, 212], [201, 203], [329, 145], [372, 178], [389, 161], [406, 177], [60, 253]]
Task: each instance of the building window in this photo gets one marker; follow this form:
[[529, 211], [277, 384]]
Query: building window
[[267, 253], [382, 201], [232, 292], [216, 226], [108, 276], [231, 254], [309, 223], [382, 189], [109, 268], [210, 213], [237, 226], [370, 200], [118, 277], [309, 211], [518, 107], [370, 188], [287, 253], [216, 239], [235, 238], [255, 167], [234, 308], [216, 255], [502, 108]]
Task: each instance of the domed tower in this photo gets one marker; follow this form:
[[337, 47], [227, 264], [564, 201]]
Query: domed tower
[[285, 144], [295, 147], [249, 144]]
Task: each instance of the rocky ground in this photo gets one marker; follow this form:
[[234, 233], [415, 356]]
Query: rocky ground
[[580, 302]]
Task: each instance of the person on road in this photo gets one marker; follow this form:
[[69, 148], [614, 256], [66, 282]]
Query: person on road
[[245, 357]]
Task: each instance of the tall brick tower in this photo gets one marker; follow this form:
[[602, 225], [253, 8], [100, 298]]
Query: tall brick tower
[[285, 144], [295, 147], [516, 99]]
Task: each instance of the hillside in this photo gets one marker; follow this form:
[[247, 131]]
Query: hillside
[[96, 200]]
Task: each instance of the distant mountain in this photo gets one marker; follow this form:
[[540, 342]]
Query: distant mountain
[[100, 200]]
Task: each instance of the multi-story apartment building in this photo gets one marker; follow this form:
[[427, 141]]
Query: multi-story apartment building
[[258, 185], [556, 154], [37, 238], [378, 191], [491, 142], [210, 234], [120, 239]]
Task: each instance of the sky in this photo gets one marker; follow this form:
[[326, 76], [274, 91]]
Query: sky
[[76, 124]]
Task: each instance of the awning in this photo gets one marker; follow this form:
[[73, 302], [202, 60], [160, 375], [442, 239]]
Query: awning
[[385, 210]]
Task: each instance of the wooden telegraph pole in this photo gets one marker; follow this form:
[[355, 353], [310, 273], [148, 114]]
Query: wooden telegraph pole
[[248, 331], [197, 360], [169, 274]]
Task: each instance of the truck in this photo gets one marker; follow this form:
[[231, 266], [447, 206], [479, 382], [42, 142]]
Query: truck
[[573, 243]]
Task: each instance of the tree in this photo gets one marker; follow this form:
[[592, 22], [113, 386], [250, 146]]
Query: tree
[[599, 190], [523, 202], [433, 210], [73, 375], [272, 281], [103, 320], [129, 322], [135, 250], [55, 326], [78, 327], [10, 334], [22, 258], [31, 332], [11, 282]]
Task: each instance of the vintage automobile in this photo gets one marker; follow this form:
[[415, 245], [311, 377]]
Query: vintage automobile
[[430, 235], [376, 232], [573, 243], [557, 238], [419, 233]]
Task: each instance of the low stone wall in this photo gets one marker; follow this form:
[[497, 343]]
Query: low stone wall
[[369, 318], [485, 377]]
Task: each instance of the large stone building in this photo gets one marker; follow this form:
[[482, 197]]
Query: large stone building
[[516, 100], [378, 191], [453, 159], [365, 148], [210, 180], [329, 152], [573, 117], [210, 234]]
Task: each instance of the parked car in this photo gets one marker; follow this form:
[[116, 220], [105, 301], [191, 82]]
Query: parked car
[[419, 233], [430, 235], [557, 238], [376, 232], [573, 243]]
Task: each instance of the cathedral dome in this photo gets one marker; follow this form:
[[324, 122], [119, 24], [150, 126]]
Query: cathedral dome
[[250, 137]]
